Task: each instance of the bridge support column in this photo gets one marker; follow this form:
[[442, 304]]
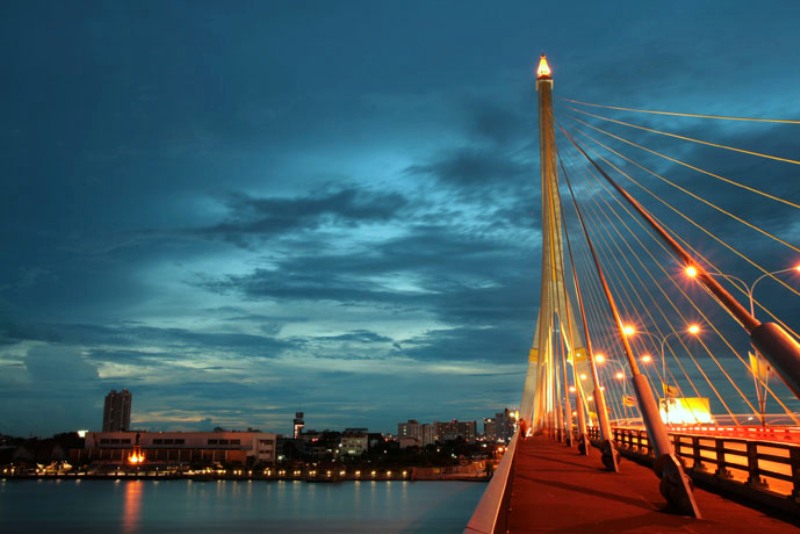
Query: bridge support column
[[583, 440], [675, 484], [781, 350]]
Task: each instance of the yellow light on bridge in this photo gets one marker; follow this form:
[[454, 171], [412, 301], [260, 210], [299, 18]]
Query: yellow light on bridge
[[691, 271], [599, 358], [693, 329], [685, 410], [619, 375], [628, 330], [646, 358], [543, 72]]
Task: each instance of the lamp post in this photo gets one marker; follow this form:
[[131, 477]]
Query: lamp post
[[620, 375], [749, 289], [647, 358], [693, 329], [691, 272]]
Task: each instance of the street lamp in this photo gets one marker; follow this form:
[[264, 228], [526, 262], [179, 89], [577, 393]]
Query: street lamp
[[761, 396], [691, 272], [648, 359], [619, 375], [693, 329]]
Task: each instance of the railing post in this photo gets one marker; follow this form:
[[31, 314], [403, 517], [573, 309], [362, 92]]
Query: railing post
[[722, 468], [754, 474], [794, 464], [697, 459]]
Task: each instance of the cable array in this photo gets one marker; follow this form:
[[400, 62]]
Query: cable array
[[733, 222]]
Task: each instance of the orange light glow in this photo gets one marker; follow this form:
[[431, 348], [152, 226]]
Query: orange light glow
[[583, 376], [647, 358], [691, 271], [572, 389], [619, 375], [136, 457], [628, 330], [693, 329], [797, 268], [685, 410], [599, 358], [132, 506], [543, 72]]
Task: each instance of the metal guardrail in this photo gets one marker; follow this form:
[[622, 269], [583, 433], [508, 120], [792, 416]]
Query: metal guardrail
[[490, 514], [761, 470]]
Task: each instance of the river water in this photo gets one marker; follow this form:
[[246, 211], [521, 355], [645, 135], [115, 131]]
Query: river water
[[167, 506]]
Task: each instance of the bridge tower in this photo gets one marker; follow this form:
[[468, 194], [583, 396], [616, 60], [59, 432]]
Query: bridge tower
[[546, 401], [544, 394]]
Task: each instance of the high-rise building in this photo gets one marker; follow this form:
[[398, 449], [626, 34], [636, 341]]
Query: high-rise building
[[415, 434], [489, 429], [299, 424], [451, 430], [117, 411], [503, 425], [411, 429]]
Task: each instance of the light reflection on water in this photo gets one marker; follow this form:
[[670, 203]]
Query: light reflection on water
[[133, 504], [130, 506]]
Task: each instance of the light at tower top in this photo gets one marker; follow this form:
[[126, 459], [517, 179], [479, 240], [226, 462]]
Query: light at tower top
[[543, 72]]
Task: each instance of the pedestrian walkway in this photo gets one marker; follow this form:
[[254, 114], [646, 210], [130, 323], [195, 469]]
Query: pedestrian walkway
[[557, 490]]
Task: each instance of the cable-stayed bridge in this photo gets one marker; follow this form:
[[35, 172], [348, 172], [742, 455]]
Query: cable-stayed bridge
[[667, 327]]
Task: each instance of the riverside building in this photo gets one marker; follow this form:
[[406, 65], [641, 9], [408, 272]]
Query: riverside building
[[178, 447]]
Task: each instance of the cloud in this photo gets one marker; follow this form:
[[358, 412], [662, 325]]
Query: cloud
[[261, 219]]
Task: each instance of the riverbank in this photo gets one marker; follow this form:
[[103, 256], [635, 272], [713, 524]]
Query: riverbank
[[312, 475]]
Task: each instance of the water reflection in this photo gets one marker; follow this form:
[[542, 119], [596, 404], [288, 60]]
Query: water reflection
[[133, 506]]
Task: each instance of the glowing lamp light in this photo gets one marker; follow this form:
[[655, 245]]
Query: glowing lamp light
[[691, 271], [543, 72], [619, 375], [647, 358], [599, 358], [572, 389], [136, 457], [628, 330], [583, 376], [693, 329]]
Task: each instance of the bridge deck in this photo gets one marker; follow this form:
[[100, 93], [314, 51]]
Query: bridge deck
[[555, 489]]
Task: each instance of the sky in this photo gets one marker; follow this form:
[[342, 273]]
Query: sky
[[241, 210]]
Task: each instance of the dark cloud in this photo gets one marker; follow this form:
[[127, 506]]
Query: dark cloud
[[503, 126], [493, 344], [360, 336], [135, 335], [265, 218], [473, 167], [459, 278]]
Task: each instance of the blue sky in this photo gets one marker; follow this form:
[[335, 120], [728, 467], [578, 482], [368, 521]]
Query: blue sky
[[240, 210]]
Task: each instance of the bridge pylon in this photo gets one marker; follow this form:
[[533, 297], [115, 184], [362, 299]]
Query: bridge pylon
[[542, 394], [556, 326]]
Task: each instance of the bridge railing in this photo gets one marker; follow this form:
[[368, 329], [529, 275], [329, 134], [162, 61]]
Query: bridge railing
[[490, 514], [763, 470]]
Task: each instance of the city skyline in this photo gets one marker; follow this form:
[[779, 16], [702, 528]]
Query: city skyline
[[328, 207]]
